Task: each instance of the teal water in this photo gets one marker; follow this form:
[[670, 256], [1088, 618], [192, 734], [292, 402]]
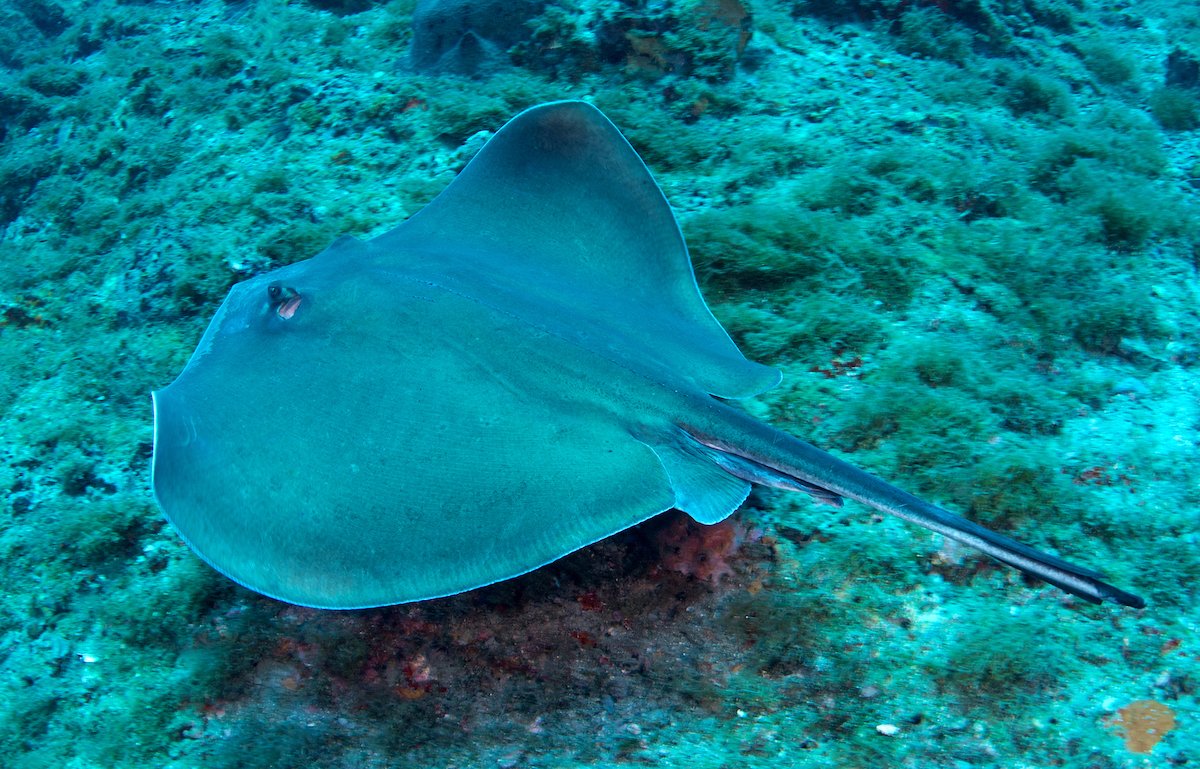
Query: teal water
[[966, 231]]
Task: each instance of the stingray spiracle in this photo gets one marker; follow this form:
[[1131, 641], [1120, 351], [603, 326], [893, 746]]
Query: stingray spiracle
[[285, 299]]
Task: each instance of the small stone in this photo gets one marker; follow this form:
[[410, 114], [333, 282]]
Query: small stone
[[887, 730], [1132, 387]]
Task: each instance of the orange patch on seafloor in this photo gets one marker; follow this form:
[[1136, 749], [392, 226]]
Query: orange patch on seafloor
[[1145, 723]]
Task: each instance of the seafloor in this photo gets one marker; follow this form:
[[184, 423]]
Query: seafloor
[[965, 229]]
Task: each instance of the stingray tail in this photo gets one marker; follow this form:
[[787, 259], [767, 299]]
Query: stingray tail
[[768, 456]]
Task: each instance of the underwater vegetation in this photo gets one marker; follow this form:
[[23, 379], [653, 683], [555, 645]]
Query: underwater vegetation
[[966, 231]]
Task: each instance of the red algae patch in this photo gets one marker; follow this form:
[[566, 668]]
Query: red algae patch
[[701, 551]]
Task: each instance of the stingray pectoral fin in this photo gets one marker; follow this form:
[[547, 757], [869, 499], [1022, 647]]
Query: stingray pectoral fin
[[765, 446]]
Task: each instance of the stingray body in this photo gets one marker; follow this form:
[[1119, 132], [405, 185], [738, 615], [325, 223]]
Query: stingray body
[[522, 368]]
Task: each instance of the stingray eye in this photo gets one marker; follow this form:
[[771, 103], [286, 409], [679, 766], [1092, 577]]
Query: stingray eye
[[285, 300]]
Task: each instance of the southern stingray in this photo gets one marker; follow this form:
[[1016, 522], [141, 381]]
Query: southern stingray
[[523, 367]]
